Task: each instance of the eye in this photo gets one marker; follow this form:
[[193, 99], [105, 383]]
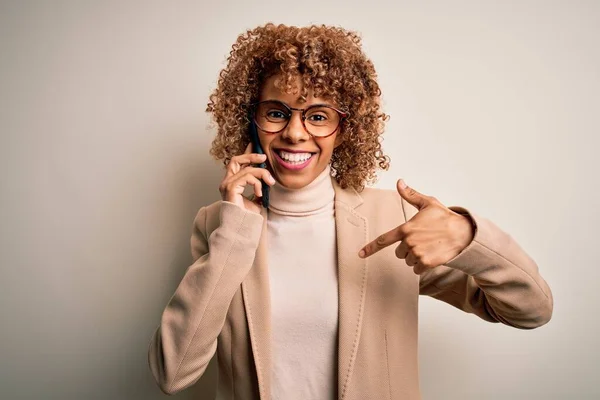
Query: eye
[[276, 115], [317, 117], [321, 116]]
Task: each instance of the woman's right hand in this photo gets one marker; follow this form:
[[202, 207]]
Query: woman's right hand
[[240, 173]]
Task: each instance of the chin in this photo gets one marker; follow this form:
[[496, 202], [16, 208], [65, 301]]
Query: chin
[[296, 182]]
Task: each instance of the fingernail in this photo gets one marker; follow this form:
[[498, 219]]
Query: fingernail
[[402, 184], [271, 179], [361, 253]]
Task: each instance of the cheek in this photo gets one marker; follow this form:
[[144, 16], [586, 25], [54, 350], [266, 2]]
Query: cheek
[[265, 141], [328, 147]]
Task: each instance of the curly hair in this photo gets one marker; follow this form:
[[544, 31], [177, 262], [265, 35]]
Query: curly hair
[[328, 60]]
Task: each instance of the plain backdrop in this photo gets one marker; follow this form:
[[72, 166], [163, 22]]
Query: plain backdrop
[[104, 163]]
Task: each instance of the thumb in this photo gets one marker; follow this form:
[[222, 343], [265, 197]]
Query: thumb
[[411, 195]]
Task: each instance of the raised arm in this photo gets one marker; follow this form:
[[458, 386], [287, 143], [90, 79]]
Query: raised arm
[[186, 339], [493, 277], [467, 261]]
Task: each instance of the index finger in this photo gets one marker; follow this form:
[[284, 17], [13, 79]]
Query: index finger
[[382, 241], [240, 161]]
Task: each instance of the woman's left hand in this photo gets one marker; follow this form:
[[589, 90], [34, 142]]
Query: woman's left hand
[[434, 236]]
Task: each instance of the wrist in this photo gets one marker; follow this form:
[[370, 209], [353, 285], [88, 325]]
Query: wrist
[[467, 228]]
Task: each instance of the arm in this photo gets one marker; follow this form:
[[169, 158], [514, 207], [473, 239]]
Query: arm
[[492, 278], [186, 339]]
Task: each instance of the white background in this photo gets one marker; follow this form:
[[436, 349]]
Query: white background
[[104, 163]]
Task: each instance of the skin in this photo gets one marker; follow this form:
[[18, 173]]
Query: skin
[[295, 137], [434, 236], [239, 174]]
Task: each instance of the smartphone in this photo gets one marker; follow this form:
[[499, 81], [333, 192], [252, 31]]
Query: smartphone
[[257, 148]]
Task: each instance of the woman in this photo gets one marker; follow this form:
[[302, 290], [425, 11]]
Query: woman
[[308, 298]]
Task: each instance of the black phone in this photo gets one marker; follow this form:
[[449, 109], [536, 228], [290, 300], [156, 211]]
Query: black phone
[[257, 148]]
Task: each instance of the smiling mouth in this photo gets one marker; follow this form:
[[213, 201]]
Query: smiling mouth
[[294, 157], [293, 161]]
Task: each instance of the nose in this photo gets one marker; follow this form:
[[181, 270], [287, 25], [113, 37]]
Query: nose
[[294, 132]]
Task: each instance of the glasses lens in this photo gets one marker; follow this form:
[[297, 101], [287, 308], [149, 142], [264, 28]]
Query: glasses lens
[[321, 120], [271, 116]]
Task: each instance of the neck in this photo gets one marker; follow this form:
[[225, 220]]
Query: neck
[[313, 198]]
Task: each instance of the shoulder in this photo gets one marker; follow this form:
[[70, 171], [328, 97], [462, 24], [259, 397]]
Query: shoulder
[[210, 217], [207, 218], [213, 209], [381, 198], [386, 200], [375, 195]]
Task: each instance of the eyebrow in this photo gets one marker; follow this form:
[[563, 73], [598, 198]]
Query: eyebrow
[[310, 105]]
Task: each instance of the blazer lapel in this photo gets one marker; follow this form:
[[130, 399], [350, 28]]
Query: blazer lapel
[[352, 235], [256, 294]]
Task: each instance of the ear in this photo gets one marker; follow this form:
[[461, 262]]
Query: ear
[[339, 139]]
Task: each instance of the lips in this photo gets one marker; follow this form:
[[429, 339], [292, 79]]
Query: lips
[[292, 166], [293, 151]]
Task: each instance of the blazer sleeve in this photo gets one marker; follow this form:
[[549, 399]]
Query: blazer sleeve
[[493, 278], [186, 339]]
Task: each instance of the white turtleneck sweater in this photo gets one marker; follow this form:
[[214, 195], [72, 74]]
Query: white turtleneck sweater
[[304, 290]]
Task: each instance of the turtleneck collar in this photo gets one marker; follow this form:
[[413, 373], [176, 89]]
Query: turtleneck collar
[[313, 198]]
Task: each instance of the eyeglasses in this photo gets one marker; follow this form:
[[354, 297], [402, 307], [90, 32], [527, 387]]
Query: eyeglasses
[[319, 120]]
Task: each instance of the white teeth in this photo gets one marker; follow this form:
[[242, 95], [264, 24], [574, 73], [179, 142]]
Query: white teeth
[[294, 157]]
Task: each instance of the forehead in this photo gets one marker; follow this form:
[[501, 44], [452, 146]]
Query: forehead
[[270, 90]]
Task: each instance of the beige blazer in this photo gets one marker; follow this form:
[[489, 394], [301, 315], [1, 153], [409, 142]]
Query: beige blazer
[[222, 303]]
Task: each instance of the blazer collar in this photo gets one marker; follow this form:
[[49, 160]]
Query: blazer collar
[[349, 197], [352, 235]]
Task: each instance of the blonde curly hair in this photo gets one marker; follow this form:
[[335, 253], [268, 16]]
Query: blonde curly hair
[[328, 60]]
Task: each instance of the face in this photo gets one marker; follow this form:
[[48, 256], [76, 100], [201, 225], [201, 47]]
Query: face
[[294, 138]]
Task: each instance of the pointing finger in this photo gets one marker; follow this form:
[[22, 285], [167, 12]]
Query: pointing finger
[[381, 242]]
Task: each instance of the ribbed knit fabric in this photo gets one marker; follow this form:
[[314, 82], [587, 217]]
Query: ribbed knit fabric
[[304, 290]]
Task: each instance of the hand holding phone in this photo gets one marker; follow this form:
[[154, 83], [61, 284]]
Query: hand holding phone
[[239, 175]]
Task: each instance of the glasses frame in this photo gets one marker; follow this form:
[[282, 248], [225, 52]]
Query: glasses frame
[[254, 106]]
